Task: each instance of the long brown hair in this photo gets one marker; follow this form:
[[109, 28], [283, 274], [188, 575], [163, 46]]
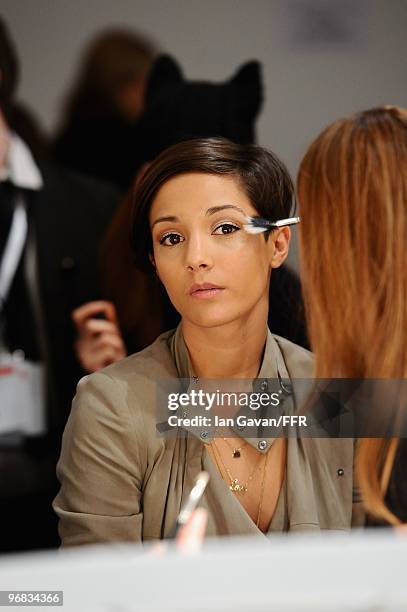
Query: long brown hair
[[352, 190]]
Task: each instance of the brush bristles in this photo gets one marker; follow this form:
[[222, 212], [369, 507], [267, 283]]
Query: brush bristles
[[251, 229], [257, 225]]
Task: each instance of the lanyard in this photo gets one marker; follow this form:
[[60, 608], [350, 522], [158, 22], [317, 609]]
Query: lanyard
[[13, 249]]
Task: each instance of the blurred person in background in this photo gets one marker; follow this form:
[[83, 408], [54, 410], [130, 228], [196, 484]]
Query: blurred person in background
[[22, 120], [51, 223], [96, 135], [176, 109], [352, 190]]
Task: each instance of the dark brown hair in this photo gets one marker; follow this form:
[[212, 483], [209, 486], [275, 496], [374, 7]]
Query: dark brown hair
[[260, 173]]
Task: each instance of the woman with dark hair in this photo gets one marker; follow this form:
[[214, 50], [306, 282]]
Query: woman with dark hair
[[352, 189], [138, 309], [121, 480]]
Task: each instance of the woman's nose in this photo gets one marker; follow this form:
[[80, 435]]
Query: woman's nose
[[198, 254]]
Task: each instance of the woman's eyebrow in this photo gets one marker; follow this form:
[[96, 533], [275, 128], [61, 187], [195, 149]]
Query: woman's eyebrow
[[162, 219], [210, 211], [215, 209]]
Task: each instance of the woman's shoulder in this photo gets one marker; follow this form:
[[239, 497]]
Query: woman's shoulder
[[130, 385], [299, 361], [153, 362]]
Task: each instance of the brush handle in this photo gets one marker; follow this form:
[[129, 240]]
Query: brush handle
[[285, 222], [266, 223]]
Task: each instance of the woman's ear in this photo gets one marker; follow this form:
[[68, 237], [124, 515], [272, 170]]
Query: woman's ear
[[279, 241]]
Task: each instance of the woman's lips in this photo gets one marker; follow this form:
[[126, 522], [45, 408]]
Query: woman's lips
[[205, 291], [203, 294]]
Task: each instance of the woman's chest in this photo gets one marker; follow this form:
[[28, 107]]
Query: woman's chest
[[253, 478]]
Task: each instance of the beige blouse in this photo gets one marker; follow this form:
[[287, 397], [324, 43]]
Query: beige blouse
[[123, 481]]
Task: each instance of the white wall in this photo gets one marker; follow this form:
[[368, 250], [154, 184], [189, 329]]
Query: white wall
[[317, 65]]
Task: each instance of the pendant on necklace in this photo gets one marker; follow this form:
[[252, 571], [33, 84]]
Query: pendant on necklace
[[236, 487], [236, 453]]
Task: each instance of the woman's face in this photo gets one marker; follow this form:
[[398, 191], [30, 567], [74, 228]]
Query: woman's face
[[214, 271]]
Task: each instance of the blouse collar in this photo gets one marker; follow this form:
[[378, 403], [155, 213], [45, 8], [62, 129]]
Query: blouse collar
[[273, 378]]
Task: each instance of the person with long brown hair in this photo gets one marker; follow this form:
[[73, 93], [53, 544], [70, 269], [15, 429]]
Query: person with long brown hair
[[352, 190], [98, 129]]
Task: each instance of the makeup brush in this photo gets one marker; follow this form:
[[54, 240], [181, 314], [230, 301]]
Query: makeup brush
[[193, 499], [256, 225]]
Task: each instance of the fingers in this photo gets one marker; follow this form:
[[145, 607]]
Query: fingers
[[93, 359], [98, 351], [90, 309], [108, 340], [95, 327], [191, 536], [99, 341]]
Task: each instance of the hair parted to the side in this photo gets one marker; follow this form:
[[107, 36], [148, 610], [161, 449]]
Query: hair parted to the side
[[352, 192], [260, 173]]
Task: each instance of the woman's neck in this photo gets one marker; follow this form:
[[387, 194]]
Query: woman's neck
[[234, 350]]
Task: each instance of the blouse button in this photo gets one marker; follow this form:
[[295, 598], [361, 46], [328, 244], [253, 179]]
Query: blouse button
[[340, 472], [262, 445], [286, 387], [204, 435], [264, 385]]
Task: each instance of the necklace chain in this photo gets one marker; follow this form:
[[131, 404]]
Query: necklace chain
[[235, 449], [262, 491], [235, 485]]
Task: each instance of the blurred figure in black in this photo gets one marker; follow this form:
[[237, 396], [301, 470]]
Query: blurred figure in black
[[96, 135], [177, 109], [23, 121], [51, 222]]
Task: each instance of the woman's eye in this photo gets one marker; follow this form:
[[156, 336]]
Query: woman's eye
[[171, 239], [226, 228]]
